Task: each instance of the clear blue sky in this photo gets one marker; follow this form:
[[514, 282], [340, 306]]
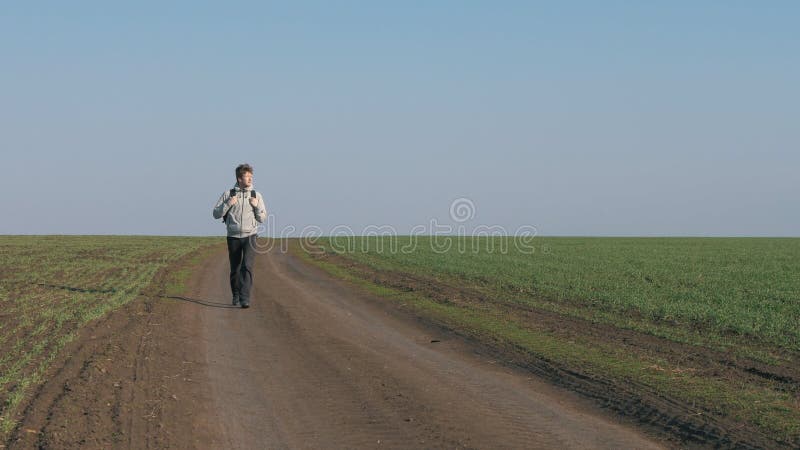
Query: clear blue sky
[[580, 118]]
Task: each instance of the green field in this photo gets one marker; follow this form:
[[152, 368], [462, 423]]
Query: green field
[[724, 309], [708, 326], [50, 286], [740, 287]]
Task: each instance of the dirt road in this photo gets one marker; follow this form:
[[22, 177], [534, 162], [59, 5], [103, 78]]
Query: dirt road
[[314, 363]]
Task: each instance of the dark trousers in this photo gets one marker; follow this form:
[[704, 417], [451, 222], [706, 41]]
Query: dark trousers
[[241, 252]]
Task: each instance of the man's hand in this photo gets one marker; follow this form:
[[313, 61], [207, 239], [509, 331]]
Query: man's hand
[[232, 201], [254, 202]]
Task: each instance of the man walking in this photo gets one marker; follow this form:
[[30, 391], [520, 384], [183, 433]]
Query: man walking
[[242, 209]]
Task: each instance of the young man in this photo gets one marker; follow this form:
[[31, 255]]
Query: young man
[[243, 209]]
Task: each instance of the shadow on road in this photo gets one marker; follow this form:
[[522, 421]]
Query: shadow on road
[[201, 302]]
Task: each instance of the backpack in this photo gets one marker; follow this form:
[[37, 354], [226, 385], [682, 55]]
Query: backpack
[[232, 194]]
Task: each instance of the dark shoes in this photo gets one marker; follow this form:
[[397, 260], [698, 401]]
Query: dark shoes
[[239, 302]]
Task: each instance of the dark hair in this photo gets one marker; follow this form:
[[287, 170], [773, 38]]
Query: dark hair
[[242, 169]]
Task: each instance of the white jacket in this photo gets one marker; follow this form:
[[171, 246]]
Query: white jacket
[[243, 218]]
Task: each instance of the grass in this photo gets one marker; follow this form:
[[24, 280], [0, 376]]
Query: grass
[[51, 286], [747, 287], [733, 295]]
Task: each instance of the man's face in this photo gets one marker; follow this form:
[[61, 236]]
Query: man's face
[[246, 180]]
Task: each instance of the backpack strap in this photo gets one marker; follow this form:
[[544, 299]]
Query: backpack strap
[[225, 217]]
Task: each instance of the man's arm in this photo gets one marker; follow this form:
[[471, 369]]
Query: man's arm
[[260, 211], [221, 207]]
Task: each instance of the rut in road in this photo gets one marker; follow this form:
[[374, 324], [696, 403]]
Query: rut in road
[[315, 363]]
